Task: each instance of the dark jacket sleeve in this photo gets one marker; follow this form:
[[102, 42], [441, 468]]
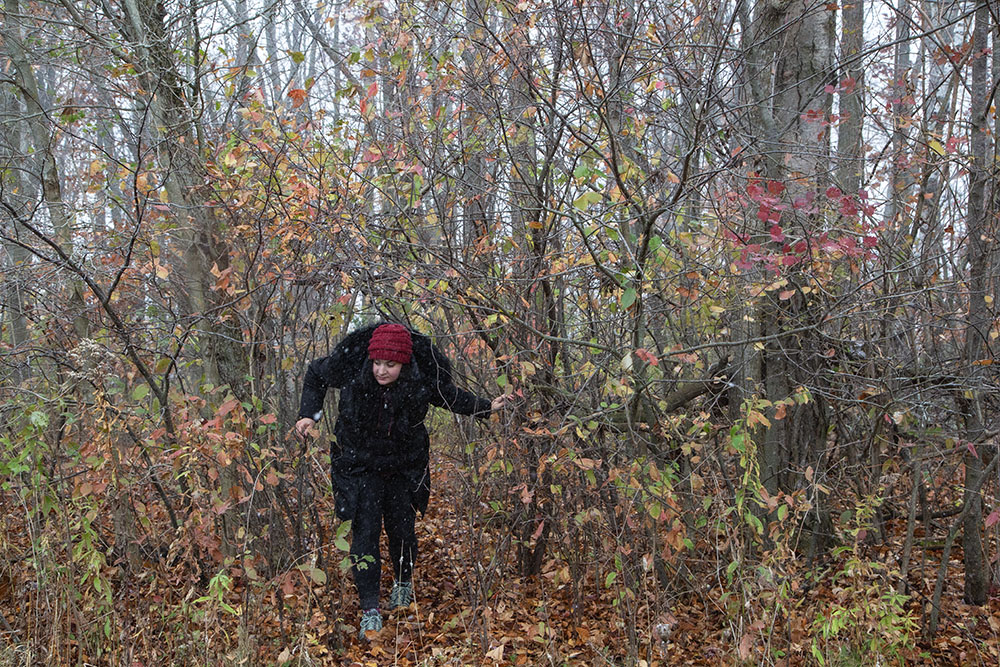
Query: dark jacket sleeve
[[332, 371], [447, 395], [314, 388], [444, 393]]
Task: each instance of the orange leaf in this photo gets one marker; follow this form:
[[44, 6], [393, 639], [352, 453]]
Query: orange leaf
[[298, 97]]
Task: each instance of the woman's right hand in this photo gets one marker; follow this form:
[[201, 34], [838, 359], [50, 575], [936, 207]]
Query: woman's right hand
[[304, 425]]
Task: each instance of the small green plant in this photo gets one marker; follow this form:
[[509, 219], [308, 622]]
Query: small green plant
[[760, 529], [869, 623], [219, 587]]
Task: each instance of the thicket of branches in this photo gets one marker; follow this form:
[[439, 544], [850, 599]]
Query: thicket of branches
[[736, 259]]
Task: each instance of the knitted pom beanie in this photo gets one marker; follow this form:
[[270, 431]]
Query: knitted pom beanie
[[391, 342]]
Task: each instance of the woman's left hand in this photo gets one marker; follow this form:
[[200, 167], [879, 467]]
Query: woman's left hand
[[500, 401]]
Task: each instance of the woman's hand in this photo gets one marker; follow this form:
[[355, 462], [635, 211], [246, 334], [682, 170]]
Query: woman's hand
[[500, 401], [304, 425]]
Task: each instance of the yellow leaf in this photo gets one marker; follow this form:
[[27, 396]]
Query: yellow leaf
[[936, 146], [754, 417]]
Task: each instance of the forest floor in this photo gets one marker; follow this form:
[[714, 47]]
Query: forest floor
[[533, 622], [525, 622]]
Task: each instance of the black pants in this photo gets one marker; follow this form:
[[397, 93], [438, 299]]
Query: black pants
[[388, 500]]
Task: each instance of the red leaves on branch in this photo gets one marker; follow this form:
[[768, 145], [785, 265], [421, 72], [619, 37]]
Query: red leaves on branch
[[647, 356], [826, 245]]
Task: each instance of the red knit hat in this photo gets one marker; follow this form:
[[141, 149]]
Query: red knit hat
[[391, 342]]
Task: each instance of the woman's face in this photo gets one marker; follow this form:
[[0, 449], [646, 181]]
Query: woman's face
[[386, 372]]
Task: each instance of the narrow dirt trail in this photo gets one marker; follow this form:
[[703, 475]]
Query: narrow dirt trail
[[524, 622]]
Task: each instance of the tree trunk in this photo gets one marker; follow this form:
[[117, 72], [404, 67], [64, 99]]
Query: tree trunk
[[979, 321], [789, 59], [850, 168], [43, 160], [14, 301], [200, 253]]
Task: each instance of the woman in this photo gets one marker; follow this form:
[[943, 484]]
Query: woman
[[387, 376]]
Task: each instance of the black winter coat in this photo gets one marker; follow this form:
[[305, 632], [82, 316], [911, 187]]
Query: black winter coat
[[380, 430]]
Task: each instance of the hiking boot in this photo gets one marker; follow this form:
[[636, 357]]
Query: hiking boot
[[401, 595], [371, 619]]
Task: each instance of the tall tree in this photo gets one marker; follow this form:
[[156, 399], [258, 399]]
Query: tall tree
[[982, 289], [850, 139], [789, 55], [17, 258], [42, 158]]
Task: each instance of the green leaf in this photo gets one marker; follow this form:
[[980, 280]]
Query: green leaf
[[140, 392], [628, 298], [586, 199], [297, 56], [39, 419]]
